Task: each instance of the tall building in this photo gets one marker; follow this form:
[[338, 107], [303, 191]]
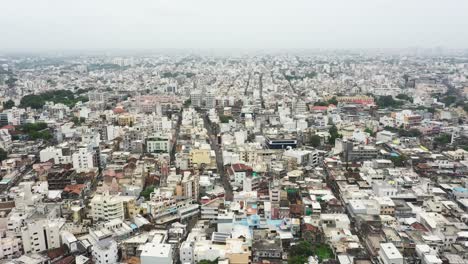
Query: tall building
[[107, 207], [105, 252], [196, 99], [40, 235], [210, 101], [83, 160]]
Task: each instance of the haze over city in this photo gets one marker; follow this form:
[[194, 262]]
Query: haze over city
[[30, 25]]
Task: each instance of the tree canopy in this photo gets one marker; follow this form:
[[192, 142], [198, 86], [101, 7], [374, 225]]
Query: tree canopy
[[315, 140], [8, 104], [399, 161], [37, 101], [333, 135], [3, 154], [147, 192], [387, 101], [36, 131], [404, 97]]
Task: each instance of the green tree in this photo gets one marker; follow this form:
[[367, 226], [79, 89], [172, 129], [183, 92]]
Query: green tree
[[399, 161], [413, 132], [449, 100], [404, 97], [387, 101], [297, 259], [370, 131], [333, 134], [443, 139], [147, 192], [315, 140], [333, 101], [8, 104], [205, 261], [224, 118], [3, 155], [302, 248], [320, 103], [37, 101]]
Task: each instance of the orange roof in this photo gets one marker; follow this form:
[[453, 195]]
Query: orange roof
[[118, 110], [74, 188], [9, 127]]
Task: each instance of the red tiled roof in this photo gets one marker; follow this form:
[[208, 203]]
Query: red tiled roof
[[238, 167], [319, 108], [118, 110], [419, 226], [75, 188], [9, 127]]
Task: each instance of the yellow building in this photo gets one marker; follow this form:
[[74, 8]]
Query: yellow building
[[200, 156], [126, 120]]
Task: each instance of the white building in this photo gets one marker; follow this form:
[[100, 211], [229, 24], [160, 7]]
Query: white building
[[105, 252], [9, 247], [57, 154], [108, 207], [385, 136], [40, 235], [389, 254], [83, 160], [156, 253], [158, 145], [304, 157], [5, 139]]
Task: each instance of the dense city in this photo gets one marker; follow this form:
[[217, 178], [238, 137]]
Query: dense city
[[347, 157]]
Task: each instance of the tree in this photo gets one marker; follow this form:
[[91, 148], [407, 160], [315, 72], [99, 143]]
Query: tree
[[387, 101], [303, 248], [299, 253], [8, 104], [3, 154], [404, 97], [399, 161], [147, 192], [413, 132], [37, 101], [443, 139], [333, 135], [205, 261], [78, 120], [320, 103], [315, 140], [297, 259], [333, 101], [368, 130], [224, 118], [449, 100]]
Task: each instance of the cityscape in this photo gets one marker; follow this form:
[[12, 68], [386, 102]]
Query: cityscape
[[242, 156]]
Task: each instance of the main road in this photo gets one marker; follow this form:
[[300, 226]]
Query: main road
[[212, 137]]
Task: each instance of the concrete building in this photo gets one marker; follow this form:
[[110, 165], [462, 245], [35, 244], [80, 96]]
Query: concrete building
[[389, 254], [105, 252], [40, 235], [60, 155], [108, 207], [83, 160], [156, 253]]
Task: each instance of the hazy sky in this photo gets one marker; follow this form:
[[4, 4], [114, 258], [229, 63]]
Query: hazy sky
[[31, 25]]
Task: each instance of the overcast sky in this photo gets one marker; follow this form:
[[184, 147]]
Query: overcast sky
[[30, 25]]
